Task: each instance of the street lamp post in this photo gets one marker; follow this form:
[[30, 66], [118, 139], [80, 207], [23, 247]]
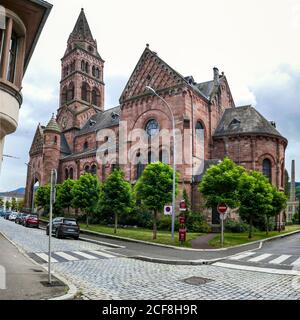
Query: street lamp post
[[174, 158]]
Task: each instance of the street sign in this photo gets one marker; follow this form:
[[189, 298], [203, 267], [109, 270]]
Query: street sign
[[182, 206], [182, 234], [181, 220], [168, 210], [222, 208]]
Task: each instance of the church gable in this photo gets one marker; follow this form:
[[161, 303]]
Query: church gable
[[38, 141], [150, 71]]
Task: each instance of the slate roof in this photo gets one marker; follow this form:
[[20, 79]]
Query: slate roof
[[64, 147], [206, 88], [52, 125], [101, 120], [77, 155], [82, 29], [243, 120]]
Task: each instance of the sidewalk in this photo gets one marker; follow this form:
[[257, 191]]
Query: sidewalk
[[24, 279]]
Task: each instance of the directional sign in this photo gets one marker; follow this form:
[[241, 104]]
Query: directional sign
[[222, 208]]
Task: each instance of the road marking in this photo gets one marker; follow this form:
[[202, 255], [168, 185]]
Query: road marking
[[102, 254], [257, 269], [66, 256], [280, 259], [296, 263], [242, 255], [45, 257], [260, 257], [85, 255]]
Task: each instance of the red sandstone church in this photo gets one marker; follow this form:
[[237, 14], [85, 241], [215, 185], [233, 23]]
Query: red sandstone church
[[70, 142]]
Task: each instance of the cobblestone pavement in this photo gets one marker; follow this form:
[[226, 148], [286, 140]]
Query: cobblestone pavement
[[124, 278]]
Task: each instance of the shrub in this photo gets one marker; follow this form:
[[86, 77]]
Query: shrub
[[296, 218], [196, 222], [236, 226]]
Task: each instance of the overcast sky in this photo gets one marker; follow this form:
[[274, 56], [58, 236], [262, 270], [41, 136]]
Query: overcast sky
[[255, 42]]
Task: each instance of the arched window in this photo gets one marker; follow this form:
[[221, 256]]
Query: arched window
[[85, 146], [94, 71], [71, 173], [152, 128], [55, 140], [66, 174], [64, 95], [267, 169], [82, 65], [94, 169], [200, 140], [87, 68], [70, 94], [95, 97], [164, 156], [85, 92], [98, 73], [87, 169]]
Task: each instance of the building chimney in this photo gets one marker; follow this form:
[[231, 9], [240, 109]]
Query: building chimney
[[216, 76], [293, 184]]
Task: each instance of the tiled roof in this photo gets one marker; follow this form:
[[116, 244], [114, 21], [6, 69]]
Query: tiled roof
[[52, 125], [243, 120], [101, 120]]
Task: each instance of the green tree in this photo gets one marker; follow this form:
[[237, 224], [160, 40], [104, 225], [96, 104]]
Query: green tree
[[86, 194], [65, 196], [42, 198], [256, 196], [14, 204], [116, 196], [220, 184], [20, 205], [1, 202], [7, 205], [279, 202], [154, 189]]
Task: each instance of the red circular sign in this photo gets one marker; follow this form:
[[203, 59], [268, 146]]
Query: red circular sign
[[222, 208]]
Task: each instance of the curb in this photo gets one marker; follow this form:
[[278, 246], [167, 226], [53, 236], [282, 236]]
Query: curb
[[177, 262], [72, 292], [188, 249]]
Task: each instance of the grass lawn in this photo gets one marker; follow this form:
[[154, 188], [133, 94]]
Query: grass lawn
[[233, 239], [163, 237]]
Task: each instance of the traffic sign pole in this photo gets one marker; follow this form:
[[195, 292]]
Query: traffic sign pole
[[222, 232], [222, 209]]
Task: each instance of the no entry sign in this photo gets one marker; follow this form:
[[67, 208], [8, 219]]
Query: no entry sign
[[222, 208]]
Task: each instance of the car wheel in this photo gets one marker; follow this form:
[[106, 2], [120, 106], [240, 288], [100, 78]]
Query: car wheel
[[76, 238], [57, 234]]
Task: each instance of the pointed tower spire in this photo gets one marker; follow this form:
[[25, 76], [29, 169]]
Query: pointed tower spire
[[52, 125], [82, 31]]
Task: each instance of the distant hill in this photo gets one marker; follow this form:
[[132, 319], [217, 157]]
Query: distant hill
[[18, 193]]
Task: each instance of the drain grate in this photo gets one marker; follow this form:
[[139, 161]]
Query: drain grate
[[197, 281]]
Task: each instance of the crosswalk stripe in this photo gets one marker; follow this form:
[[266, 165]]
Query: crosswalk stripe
[[85, 255], [280, 259], [66, 256], [296, 262], [102, 254], [260, 257], [45, 257], [242, 255]]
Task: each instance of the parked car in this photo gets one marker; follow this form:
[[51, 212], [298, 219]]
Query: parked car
[[64, 227], [2, 213], [20, 218], [12, 216], [7, 214], [31, 220]]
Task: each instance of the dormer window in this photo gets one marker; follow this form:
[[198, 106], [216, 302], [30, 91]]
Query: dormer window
[[234, 123]]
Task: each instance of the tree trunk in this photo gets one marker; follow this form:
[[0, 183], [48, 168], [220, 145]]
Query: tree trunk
[[87, 220], [250, 228], [116, 223], [154, 225], [267, 226]]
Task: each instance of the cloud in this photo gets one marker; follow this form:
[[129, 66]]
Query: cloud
[[278, 98]]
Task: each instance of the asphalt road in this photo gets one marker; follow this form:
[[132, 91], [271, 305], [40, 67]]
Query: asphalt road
[[289, 245], [23, 279]]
